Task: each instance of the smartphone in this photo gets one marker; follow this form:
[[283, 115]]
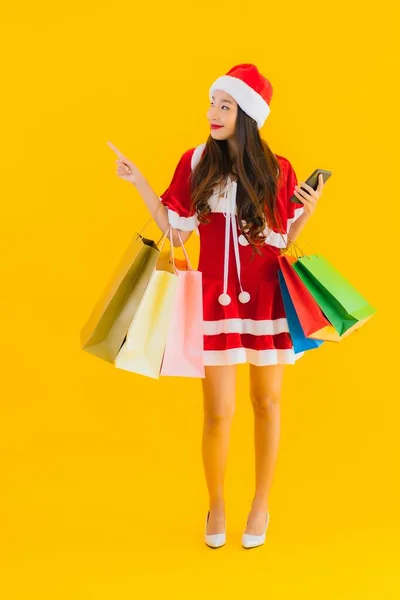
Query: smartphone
[[313, 181]]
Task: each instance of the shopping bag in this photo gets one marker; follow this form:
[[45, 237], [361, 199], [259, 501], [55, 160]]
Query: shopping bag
[[345, 308], [106, 328], [143, 348], [313, 322], [300, 342], [183, 356]]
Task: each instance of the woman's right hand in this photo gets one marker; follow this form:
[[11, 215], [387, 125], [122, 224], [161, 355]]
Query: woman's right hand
[[126, 169]]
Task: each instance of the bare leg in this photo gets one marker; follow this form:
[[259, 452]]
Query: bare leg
[[219, 406], [265, 393]]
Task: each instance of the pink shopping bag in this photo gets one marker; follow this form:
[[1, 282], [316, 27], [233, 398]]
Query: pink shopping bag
[[183, 355]]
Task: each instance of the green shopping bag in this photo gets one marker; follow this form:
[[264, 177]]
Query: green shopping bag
[[345, 308]]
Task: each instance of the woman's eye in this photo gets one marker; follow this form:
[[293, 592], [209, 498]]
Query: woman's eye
[[223, 106]]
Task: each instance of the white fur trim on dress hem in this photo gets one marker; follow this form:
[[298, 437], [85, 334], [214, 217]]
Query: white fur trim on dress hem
[[246, 326], [259, 358]]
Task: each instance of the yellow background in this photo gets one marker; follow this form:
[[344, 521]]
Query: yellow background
[[103, 494]]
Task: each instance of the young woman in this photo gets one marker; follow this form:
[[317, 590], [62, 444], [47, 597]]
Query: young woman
[[234, 191]]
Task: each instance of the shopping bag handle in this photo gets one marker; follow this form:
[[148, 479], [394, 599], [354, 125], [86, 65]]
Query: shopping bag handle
[[184, 250], [188, 265], [296, 248], [166, 233], [140, 232], [161, 241], [304, 254]]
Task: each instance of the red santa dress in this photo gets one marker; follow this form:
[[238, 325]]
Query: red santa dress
[[244, 319]]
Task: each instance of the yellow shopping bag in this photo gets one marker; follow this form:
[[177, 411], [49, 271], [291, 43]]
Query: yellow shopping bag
[[143, 349], [106, 328]]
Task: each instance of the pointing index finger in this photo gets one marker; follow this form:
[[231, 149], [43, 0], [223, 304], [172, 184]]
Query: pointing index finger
[[117, 152]]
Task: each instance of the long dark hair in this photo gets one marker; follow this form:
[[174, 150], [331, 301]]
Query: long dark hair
[[257, 174]]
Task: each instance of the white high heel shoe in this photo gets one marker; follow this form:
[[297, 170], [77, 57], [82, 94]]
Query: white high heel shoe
[[214, 540], [252, 541]]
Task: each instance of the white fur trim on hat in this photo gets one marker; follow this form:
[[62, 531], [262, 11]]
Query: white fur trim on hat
[[248, 99]]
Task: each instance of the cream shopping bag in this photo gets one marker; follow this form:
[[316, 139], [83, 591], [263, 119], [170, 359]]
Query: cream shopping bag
[[143, 349]]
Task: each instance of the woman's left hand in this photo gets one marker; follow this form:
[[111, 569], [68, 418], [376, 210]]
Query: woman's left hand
[[310, 197]]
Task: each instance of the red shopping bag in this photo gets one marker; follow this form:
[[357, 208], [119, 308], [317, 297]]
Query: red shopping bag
[[312, 320]]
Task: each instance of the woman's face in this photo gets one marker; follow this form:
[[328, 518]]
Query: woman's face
[[223, 111]]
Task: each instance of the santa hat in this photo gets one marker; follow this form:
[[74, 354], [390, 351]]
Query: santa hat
[[251, 90]]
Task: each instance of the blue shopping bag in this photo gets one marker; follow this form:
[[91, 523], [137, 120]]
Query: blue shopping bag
[[299, 340]]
